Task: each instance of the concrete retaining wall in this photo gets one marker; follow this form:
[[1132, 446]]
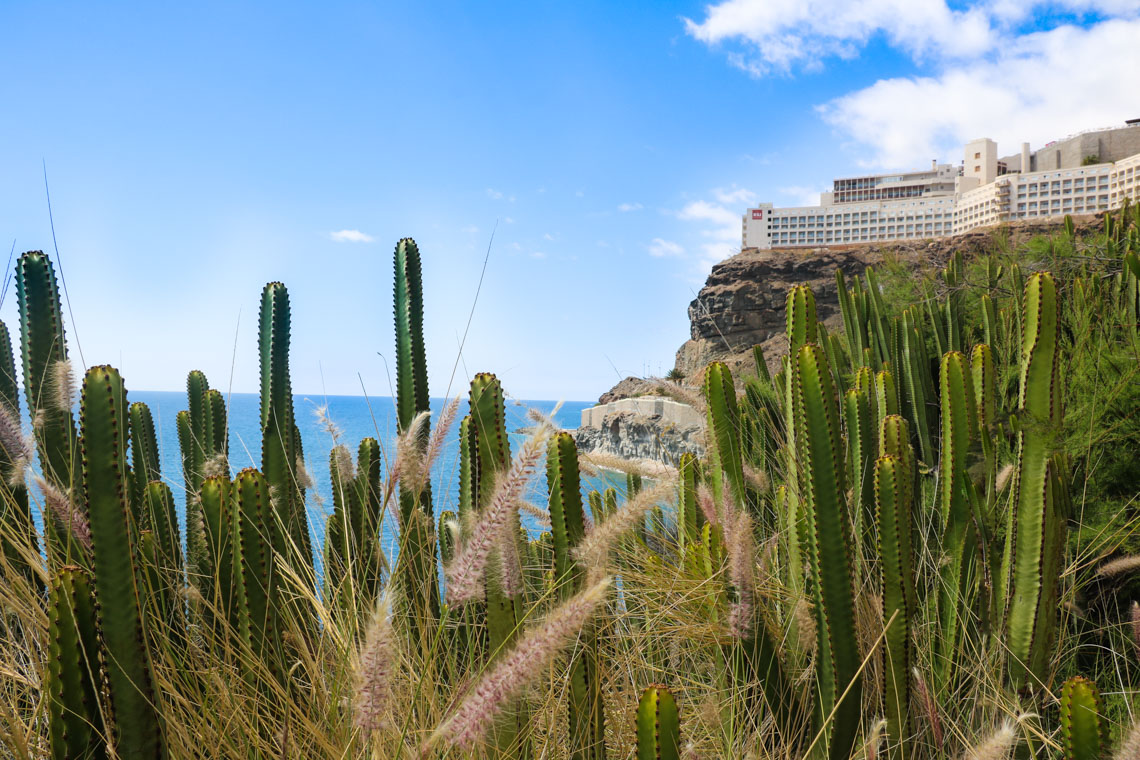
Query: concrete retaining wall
[[649, 406]]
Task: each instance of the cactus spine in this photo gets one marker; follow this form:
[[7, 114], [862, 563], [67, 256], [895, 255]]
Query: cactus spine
[[658, 725]]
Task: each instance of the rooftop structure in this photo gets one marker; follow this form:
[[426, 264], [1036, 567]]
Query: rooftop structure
[[1083, 174]]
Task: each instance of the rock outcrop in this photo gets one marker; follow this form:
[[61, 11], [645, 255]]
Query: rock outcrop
[[631, 435], [742, 302]]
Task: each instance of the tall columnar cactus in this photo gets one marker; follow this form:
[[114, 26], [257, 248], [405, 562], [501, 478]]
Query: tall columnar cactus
[[1035, 539], [861, 444], [801, 330], [505, 610], [689, 516], [255, 613], [724, 434], [18, 542], [416, 564], [894, 500], [658, 725], [145, 463], [43, 350], [828, 542], [917, 385], [106, 488], [280, 440], [75, 719], [218, 534], [1082, 735], [587, 732], [959, 536]]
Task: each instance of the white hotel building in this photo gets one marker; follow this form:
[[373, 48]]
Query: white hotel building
[[1090, 172]]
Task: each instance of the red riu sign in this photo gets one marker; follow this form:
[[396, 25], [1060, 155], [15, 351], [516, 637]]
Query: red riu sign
[[757, 213]]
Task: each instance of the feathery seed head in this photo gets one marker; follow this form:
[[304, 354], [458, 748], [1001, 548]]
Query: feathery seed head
[[518, 668], [62, 384], [65, 510], [996, 746], [375, 671], [594, 549]]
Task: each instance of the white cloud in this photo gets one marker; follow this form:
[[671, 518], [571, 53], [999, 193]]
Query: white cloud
[[630, 207], [775, 36], [663, 248], [707, 211], [1039, 87], [802, 196], [720, 223], [508, 220], [780, 34], [735, 196], [538, 255], [547, 236], [494, 194], [350, 236]]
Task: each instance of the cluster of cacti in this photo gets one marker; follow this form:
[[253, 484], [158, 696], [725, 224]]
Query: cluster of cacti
[[850, 544]]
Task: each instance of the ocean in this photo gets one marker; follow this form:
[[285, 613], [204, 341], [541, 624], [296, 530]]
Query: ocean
[[357, 417]]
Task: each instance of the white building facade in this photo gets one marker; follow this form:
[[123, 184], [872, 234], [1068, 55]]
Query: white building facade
[[949, 200]]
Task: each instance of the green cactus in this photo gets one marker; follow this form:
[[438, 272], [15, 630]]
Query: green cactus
[[43, 350], [106, 486], [145, 462], [917, 385], [218, 534], [822, 489], [658, 725], [505, 610], [959, 537], [254, 614], [18, 541], [801, 330], [724, 433], [75, 717], [280, 440], [894, 502], [1035, 538], [415, 565], [586, 735], [689, 516], [861, 444], [1082, 735]]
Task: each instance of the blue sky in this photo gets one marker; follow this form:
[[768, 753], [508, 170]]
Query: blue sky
[[196, 153]]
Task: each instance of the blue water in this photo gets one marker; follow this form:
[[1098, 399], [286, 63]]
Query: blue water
[[358, 418]]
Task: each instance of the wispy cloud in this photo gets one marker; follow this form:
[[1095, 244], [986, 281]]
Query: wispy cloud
[[664, 248], [350, 236], [547, 236], [630, 207], [719, 221], [1013, 70], [538, 255], [493, 194], [800, 195], [1032, 90]]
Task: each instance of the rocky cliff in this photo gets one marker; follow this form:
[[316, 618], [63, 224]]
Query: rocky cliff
[[630, 435], [742, 302]]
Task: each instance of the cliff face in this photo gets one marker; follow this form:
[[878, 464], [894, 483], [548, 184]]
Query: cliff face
[[742, 302], [640, 436]]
